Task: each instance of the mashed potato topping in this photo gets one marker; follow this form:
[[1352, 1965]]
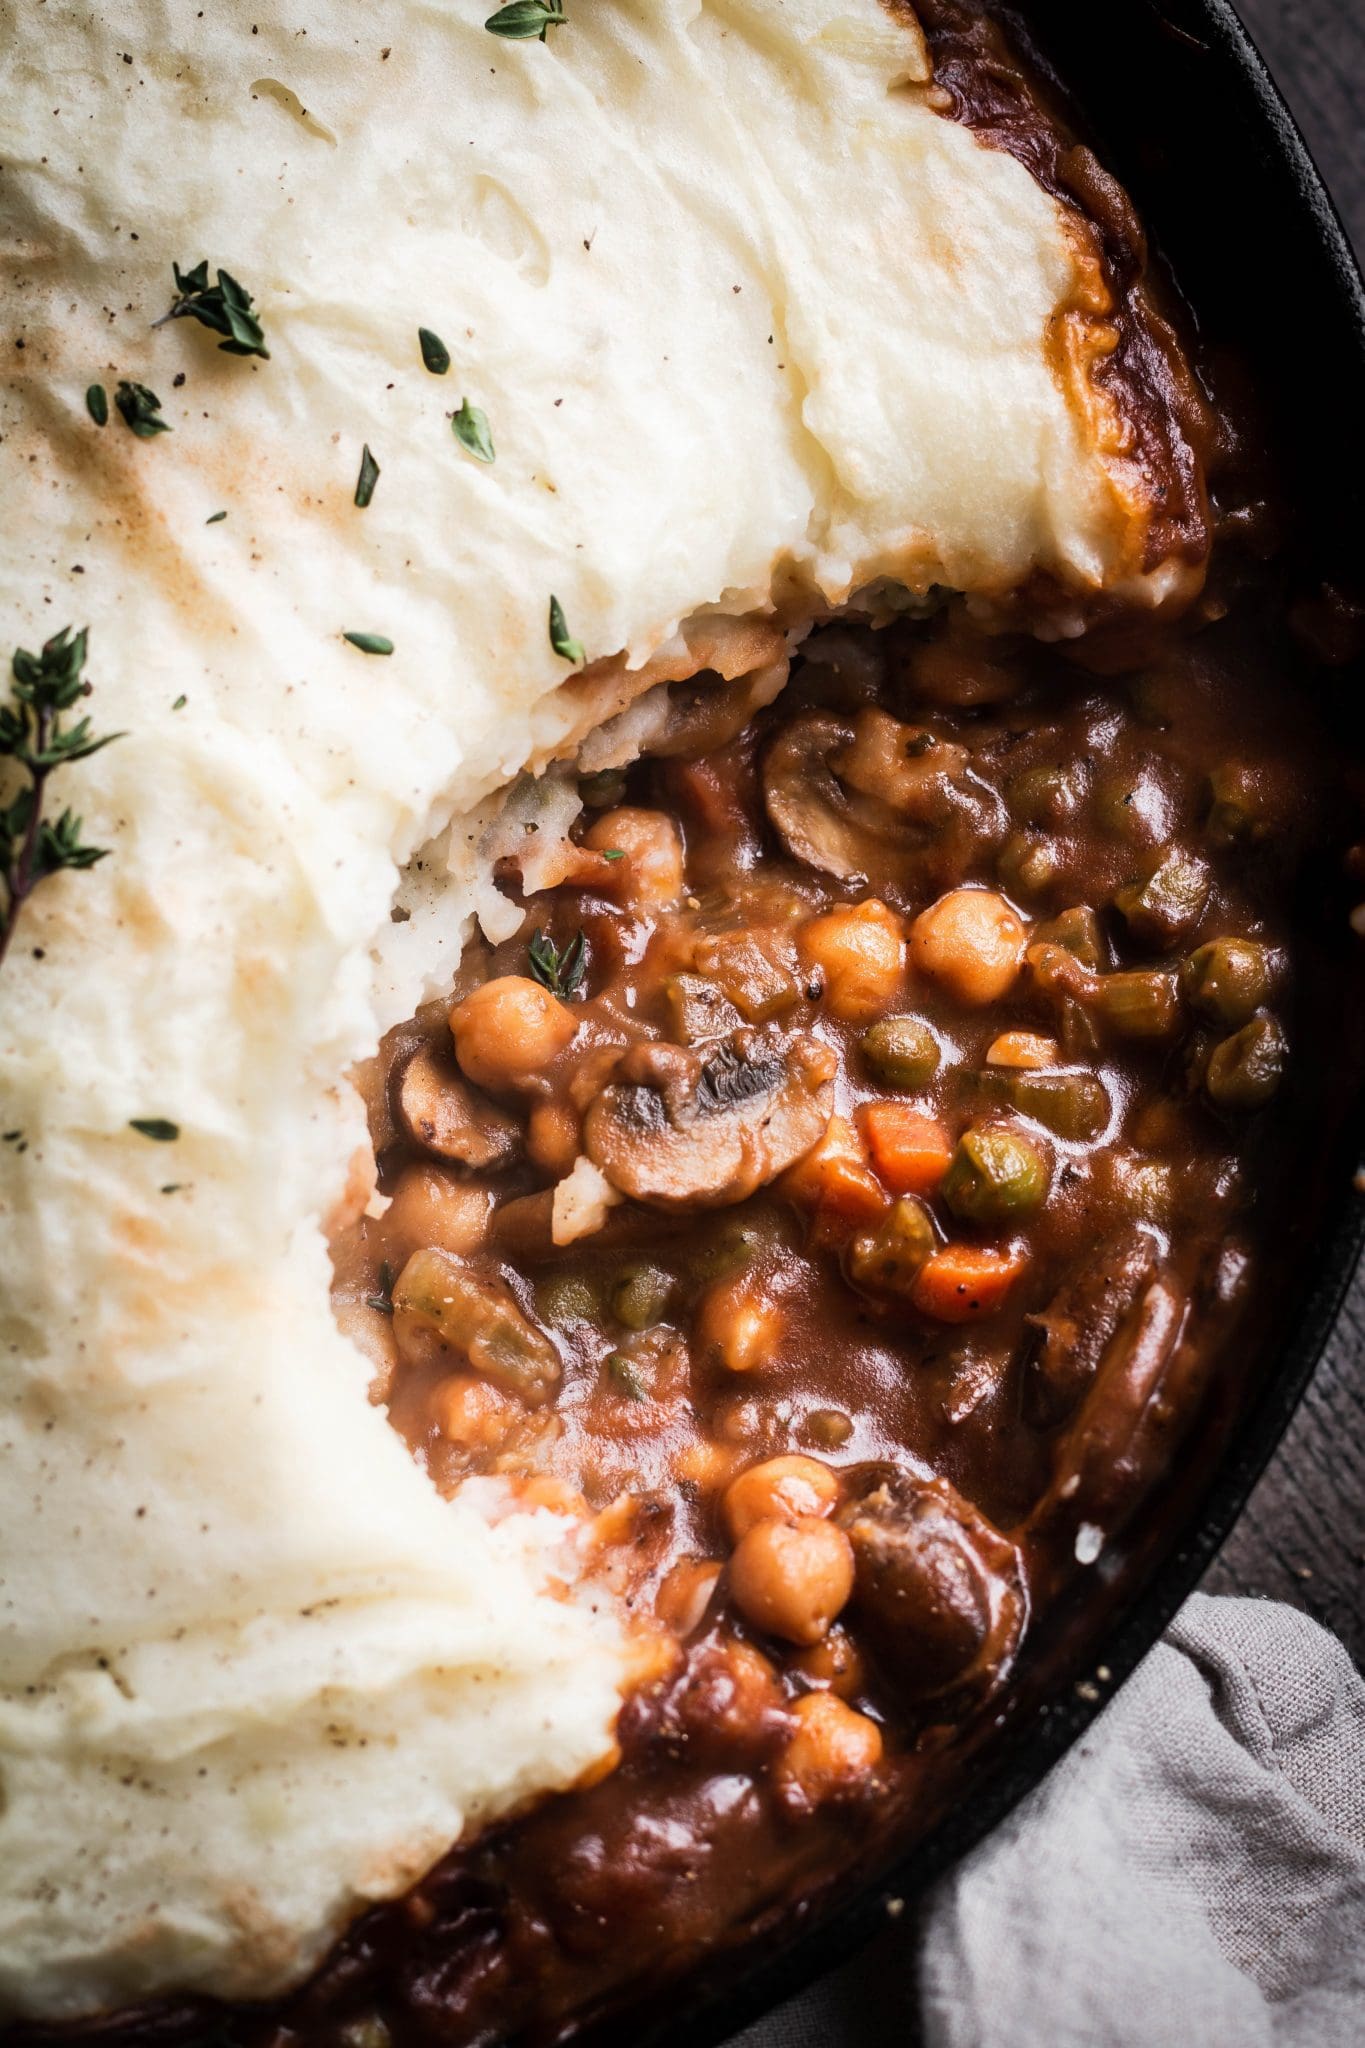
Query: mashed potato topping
[[752, 328]]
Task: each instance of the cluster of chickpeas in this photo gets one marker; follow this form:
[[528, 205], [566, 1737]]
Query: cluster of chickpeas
[[790, 1574], [790, 1569]]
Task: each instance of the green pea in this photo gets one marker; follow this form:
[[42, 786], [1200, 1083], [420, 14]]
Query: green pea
[[827, 1428], [1228, 979], [886, 1260], [567, 1298], [1245, 1070], [732, 1251], [640, 1296], [996, 1176], [901, 1051]]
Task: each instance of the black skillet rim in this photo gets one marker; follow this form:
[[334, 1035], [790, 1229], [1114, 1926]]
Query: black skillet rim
[[706, 2017]]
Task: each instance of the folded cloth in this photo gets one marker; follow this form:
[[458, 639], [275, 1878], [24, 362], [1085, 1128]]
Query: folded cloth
[[1191, 1875]]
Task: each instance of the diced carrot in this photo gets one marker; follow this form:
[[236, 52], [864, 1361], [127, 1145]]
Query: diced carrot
[[835, 1182], [960, 1283], [911, 1152]]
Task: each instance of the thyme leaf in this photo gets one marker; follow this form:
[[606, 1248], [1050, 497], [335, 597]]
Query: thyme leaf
[[141, 410], [561, 639], [470, 427], [33, 734], [624, 1376], [368, 478], [523, 19], [224, 308], [435, 354], [158, 1128], [382, 1302], [561, 973], [97, 404], [369, 643], [214, 518]]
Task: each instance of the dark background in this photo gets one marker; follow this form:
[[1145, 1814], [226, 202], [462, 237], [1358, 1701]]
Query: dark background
[[1302, 1535]]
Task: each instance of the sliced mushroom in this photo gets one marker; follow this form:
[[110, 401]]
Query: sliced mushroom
[[1121, 1431], [438, 1297], [856, 800], [811, 809], [441, 1112], [707, 710], [1080, 1322], [940, 1589], [685, 1128]]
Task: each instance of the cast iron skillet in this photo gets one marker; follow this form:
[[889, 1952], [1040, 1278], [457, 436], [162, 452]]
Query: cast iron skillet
[[1178, 104]]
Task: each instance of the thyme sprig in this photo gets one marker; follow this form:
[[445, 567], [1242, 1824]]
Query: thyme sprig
[[33, 733], [224, 307], [561, 973]]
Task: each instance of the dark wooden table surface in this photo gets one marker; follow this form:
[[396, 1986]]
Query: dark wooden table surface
[[1302, 1536]]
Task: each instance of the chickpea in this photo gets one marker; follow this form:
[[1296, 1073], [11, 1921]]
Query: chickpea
[[780, 1489], [858, 952], [753, 1693], [971, 941], [831, 1748], [432, 1206], [736, 1326], [552, 1138], [652, 870], [471, 1413], [507, 1031], [792, 1578], [707, 1465], [835, 1663]]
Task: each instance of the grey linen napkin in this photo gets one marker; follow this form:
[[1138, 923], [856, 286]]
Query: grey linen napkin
[[1191, 1875]]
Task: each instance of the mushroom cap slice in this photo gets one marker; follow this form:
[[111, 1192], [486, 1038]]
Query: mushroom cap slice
[[873, 798], [939, 1587], [692, 1128], [808, 805], [439, 1110]]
